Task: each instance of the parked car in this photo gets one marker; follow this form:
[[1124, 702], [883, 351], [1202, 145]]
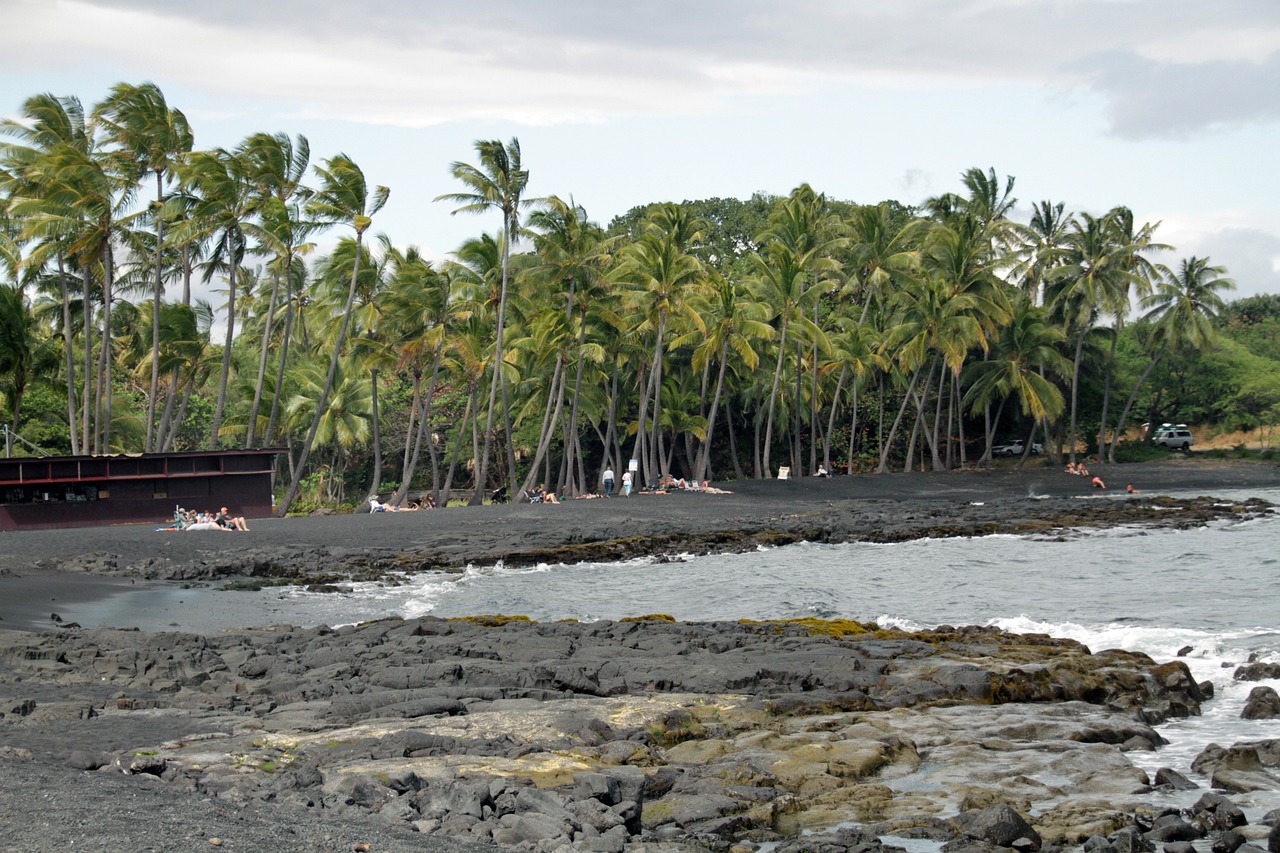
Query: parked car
[[1015, 448], [1176, 436]]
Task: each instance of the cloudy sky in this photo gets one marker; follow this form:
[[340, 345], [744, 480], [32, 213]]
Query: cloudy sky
[[1171, 107]]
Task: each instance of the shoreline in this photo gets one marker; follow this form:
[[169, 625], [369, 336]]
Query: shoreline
[[44, 571]]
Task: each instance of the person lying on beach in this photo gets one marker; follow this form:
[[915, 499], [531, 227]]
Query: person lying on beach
[[548, 497], [205, 521]]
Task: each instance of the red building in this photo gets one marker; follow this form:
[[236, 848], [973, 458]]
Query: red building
[[92, 491]]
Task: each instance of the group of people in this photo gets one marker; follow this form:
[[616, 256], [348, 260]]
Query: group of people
[[185, 519], [1079, 470], [428, 502]]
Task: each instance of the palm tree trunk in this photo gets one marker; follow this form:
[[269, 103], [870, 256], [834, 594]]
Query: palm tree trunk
[[704, 458], [69, 353], [831, 420], [376, 485], [773, 396], [155, 316], [289, 314], [1133, 396], [226, 349], [457, 447], [323, 402], [1075, 391], [550, 419], [262, 360], [1106, 393], [853, 425], [883, 467], [86, 315]]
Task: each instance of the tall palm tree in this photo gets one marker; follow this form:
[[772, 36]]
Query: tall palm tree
[[48, 123], [663, 274], [342, 197], [735, 321], [276, 166], [225, 203], [1094, 272], [498, 183], [138, 120]]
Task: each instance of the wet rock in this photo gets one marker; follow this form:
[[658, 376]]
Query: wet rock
[[1228, 842], [1179, 847], [1263, 704], [1166, 777], [1172, 827], [1218, 812], [1273, 838], [1000, 825], [1240, 768], [1257, 672]]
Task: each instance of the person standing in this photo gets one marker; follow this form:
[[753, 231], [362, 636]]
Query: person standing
[[608, 481], [626, 484]]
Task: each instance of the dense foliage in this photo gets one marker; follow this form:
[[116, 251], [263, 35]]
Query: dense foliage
[[717, 338]]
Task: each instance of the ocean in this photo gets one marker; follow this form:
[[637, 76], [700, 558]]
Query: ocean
[[1210, 596]]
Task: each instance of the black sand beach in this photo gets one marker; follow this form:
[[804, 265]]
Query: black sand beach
[[228, 739]]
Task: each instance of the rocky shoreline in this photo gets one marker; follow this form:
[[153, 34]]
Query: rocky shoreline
[[618, 737]]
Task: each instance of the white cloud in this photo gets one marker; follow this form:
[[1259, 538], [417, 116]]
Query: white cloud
[[1165, 66]]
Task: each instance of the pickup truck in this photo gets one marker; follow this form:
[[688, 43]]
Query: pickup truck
[[1015, 448]]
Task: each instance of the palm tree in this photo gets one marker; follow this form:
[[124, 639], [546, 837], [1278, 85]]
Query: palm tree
[[1094, 271], [49, 123], [343, 197], [143, 126], [225, 203], [276, 166], [1025, 349], [1182, 310], [662, 274], [498, 183], [734, 321]]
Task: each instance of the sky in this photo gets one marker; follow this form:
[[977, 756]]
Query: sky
[[1170, 107]]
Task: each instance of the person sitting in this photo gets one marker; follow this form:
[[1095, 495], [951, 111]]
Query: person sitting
[[1071, 468], [231, 522], [821, 472], [1081, 470], [548, 497]]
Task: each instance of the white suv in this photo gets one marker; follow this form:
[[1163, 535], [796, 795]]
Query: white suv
[[1176, 436]]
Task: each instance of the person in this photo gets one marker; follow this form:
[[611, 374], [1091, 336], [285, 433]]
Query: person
[[225, 519], [545, 496], [1097, 483], [1081, 470], [1131, 490], [1071, 468], [626, 483], [608, 481], [821, 472]]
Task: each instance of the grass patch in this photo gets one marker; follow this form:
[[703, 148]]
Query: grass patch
[[490, 620]]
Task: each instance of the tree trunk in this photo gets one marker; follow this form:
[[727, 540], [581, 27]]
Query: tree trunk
[[262, 361], [1133, 396], [773, 396], [155, 316], [69, 353], [376, 486], [226, 350], [883, 467], [305, 452]]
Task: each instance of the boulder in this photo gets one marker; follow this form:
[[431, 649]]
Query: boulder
[[1218, 812], [1166, 777], [1273, 839], [1228, 842], [1257, 672], [1263, 704], [1000, 825]]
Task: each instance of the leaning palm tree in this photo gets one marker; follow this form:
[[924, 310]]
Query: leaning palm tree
[[146, 129], [498, 183], [1182, 310], [342, 198]]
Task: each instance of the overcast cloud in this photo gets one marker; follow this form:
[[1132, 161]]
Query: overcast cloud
[[1171, 107]]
